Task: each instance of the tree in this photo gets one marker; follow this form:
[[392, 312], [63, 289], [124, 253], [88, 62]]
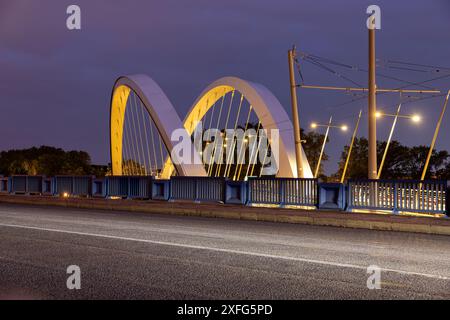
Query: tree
[[401, 162], [312, 147], [45, 160]]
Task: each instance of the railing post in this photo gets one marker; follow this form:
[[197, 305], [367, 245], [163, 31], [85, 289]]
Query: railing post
[[395, 209], [196, 190], [128, 187], [349, 196], [447, 200], [27, 193], [282, 191]]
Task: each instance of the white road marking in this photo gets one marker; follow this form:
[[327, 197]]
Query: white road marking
[[248, 253]]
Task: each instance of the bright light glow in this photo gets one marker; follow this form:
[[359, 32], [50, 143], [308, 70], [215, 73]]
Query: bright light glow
[[416, 118], [344, 128], [313, 125], [378, 114], [65, 195]]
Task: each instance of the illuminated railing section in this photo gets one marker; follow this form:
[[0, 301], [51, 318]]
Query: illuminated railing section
[[282, 191], [398, 195], [377, 196]]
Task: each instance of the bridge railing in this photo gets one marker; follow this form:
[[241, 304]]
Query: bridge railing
[[78, 186], [378, 195], [5, 185], [398, 195], [197, 189], [133, 187], [283, 191]]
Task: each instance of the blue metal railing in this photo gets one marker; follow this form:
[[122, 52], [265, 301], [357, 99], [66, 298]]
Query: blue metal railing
[[282, 191], [134, 187], [197, 189], [382, 195], [5, 184], [398, 195], [21, 184], [80, 186]]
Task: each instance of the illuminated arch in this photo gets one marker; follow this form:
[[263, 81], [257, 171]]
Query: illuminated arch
[[268, 109], [161, 112]]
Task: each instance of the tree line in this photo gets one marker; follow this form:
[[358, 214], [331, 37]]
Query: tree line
[[402, 162], [48, 161]]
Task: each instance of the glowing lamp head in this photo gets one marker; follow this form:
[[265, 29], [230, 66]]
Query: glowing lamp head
[[378, 114], [416, 118], [313, 125], [344, 128], [65, 195]]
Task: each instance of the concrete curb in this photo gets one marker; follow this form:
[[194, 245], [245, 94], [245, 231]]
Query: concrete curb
[[426, 225]]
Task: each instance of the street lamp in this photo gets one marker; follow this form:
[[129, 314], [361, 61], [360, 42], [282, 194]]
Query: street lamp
[[315, 125], [414, 118]]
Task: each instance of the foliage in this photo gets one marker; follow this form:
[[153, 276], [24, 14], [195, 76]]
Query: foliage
[[401, 162], [45, 160], [312, 146]]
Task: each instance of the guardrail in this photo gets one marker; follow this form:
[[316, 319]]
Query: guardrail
[[79, 186], [197, 189], [282, 191], [398, 195], [133, 187], [21, 184], [379, 195], [5, 184]]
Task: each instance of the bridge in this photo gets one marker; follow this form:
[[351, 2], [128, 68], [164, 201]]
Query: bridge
[[143, 120]]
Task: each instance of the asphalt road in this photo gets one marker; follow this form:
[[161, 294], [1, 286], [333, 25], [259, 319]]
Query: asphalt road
[[141, 256]]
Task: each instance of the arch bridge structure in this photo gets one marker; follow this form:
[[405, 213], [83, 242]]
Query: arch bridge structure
[[142, 120]]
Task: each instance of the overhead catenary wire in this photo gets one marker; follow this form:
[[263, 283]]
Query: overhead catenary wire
[[356, 68]]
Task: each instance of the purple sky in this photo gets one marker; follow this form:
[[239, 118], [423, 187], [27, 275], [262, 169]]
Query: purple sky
[[55, 84]]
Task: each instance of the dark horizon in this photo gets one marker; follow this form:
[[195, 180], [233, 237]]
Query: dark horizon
[[56, 84]]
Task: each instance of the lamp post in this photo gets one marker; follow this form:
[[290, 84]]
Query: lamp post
[[351, 147], [296, 121], [414, 118], [433, 142], [328, 126]]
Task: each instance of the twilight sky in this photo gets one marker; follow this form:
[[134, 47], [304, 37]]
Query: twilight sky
[[55, 84]]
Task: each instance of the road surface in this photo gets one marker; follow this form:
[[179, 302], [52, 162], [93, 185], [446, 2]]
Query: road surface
[[125, 255]]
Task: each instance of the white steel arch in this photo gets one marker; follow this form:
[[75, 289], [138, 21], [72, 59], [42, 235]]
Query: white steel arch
[[267, 108], [161, 112]]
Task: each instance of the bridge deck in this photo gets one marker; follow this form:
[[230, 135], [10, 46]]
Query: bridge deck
[[417, 224]]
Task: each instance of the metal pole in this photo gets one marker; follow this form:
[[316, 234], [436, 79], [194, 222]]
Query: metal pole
[[433, 142], [388, 142], [372, 157], [296, 121], [351, 147], [323, 148]]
